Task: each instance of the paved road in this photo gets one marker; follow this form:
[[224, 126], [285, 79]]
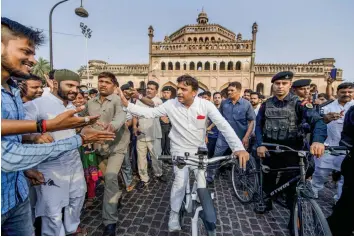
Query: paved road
[[146, 213]]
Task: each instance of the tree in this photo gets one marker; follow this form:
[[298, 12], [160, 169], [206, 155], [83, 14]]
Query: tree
[[81, 70], [41, 68]]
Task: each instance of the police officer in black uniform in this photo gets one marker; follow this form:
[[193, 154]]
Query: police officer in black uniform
[[278, 121], [165, 123], [341, 221], [301, 88]]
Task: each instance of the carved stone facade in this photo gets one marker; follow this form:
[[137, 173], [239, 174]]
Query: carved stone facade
[[212, 54]]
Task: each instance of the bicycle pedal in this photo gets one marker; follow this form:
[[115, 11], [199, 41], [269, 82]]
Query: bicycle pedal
[[260, 208]]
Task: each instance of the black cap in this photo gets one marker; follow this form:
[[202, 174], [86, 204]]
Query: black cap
[[125, 87], [285, 75], [93, 91], [167, 88], [301, 83]]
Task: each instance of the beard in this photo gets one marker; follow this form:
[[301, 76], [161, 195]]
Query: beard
[[65, 95], [6, 65]]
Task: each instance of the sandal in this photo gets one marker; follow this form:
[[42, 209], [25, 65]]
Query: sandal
[[79, 232]]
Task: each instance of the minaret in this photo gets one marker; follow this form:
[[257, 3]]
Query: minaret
[[151, 36], [254, 39]]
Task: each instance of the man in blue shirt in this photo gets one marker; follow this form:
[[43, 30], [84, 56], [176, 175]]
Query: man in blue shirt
[[239, 113], [18, 49]]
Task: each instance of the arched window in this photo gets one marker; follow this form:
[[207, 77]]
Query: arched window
[[230, 66], [195, 39], [163, 66], [189, 39], [178, 66], [191, 66], [206, 39], [170, 66], [142, 85], [184, 66], [200, 39], [238, 65], [214, 67], [222, 66], [199, 66], [212, 38], [207, 66], [260, 88]]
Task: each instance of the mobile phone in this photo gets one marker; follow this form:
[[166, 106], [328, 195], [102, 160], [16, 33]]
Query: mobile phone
[[334, 74]]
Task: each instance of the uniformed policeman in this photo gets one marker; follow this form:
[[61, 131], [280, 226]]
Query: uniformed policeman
[[165, 123], [278, 121], [301, 88]]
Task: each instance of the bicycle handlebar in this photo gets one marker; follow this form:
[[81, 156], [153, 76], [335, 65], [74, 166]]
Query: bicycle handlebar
[[280, 148], [194, 160]]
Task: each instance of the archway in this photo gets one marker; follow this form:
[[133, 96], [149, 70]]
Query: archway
[[260, 88]]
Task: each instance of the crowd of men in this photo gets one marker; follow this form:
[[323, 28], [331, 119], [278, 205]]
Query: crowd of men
[[60, 141]]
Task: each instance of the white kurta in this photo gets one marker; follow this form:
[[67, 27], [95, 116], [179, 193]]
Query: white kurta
[[334, 130], [66, 172]]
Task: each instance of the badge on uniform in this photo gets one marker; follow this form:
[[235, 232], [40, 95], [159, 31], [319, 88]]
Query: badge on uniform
[[309, 106]]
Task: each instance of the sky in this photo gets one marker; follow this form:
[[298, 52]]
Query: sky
[[288, 31]]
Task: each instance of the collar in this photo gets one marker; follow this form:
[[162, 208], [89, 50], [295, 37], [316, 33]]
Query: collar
[[195, 102], [53, 97], [97, 98], [286, 98], [229, 101], [12, 84]]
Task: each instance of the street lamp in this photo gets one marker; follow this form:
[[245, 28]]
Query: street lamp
[[87, 34], [80, 11]]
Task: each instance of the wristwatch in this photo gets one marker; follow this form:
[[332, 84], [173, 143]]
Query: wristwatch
[[140, 96]]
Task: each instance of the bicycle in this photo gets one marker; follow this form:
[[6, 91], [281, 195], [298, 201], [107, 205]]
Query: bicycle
[[248, 188], [199, 202]]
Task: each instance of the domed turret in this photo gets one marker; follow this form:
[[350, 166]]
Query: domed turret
[[202, 18]]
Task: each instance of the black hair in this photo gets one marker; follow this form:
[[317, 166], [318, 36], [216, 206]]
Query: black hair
[[154, 83], [247, 91], [345, 85], [81, 92], [201, 94], [36, 37], [34, 77], [189, 81], [93, 91], [255, 93], [109, 75], [216, 93], [235, 84], [51, 74], [207, 93], [131, 84], [323, 95]]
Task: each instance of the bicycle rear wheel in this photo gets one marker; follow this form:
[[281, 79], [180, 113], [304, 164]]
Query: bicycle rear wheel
[[245, 183], [309, 219]]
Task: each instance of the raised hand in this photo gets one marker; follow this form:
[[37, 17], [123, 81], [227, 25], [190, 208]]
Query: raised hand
[[35, 177]]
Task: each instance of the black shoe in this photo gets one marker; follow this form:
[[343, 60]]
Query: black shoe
[[269, 205], [141, 185], [110, 230], [162, 178], [291, 227]]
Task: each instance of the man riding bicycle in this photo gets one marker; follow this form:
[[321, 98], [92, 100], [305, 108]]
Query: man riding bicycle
[[188, 115], [278, 121]]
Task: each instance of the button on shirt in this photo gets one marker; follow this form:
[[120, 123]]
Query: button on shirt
[[238, 115], [16, 156], [188, 124]]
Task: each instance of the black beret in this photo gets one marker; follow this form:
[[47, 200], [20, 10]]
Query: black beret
[[285, 75], [166, 88], [125, 87], [301, 83]]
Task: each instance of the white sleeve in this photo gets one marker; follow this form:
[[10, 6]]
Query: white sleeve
[[225, 128], [145, 112], [31, 111]]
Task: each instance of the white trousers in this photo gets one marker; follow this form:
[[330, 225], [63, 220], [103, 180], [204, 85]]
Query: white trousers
[[55, 226]]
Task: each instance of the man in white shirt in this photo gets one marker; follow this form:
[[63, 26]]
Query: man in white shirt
[[65, 183], [334, 117], [188, 115]]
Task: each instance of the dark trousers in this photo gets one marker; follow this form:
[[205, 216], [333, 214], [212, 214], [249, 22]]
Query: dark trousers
[[133, 154], [341, 221], [165, 140], [270, 183]]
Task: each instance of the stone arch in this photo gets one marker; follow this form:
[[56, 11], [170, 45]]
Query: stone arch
[[207, 66], [212, 39], [199, 66], [195, 39], [202, 86], [163, 66], [184, 66], [170, 66], [230, 66], [192, 66], [222, 66], [201, 39], [142, 85], [177, 66], [174, 88], [238, 65], [260, 88], [206, 39]]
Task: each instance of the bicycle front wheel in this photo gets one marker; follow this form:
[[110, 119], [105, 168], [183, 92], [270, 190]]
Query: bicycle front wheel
[[309, 219], [202, 230], [245, 182]]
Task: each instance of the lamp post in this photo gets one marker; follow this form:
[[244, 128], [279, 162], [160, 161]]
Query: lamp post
[[87, 34], [80, 11]]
